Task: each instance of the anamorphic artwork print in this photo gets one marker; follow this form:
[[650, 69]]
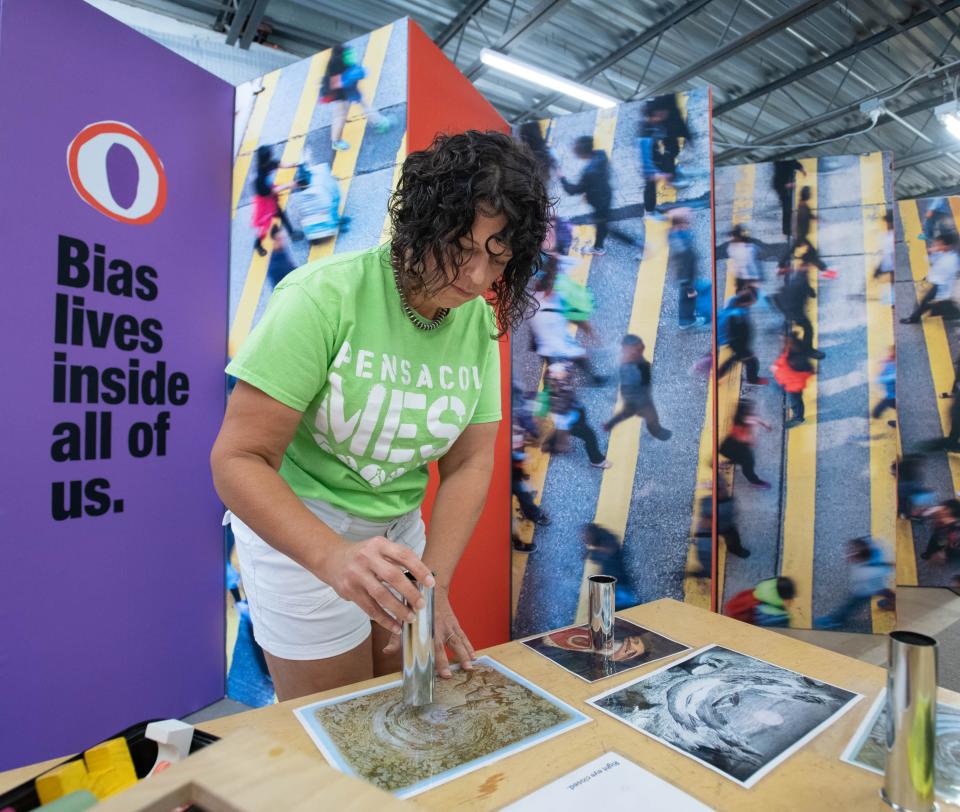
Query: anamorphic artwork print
[[736, 714], [477, 717], [571, 648], [867, 748]]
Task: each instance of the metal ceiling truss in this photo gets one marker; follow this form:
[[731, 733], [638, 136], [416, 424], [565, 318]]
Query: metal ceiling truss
[[459, 22], [853, 49], [655, 30]]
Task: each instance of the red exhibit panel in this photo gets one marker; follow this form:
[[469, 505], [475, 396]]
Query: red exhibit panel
[[441, 99]]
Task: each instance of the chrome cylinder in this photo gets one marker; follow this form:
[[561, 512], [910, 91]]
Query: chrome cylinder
[[602, 590], [418, 668], [908, 779]]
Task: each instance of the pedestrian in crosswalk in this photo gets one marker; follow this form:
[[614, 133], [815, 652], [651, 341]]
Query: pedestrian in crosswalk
[[636, 389], [738, 445], [766, 604], [743, 261], [792, 299], [735, 330], [944, 267], [784, 181], [661, 128], [792, 370], [887, 378], [802, 246], [266, 198], [869, 575], [569, 415], [945, 536], [594, 185], [683, 263], [340, 86]]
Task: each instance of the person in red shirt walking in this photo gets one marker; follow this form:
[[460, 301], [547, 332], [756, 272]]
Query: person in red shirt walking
[[792, 370]]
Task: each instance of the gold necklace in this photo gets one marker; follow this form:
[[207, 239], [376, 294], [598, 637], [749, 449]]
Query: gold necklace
[[418, 321]]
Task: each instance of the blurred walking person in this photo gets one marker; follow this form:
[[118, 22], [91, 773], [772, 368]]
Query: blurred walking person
[[887, 378], [784, 181], [569, 415], [766, 604], [802, 245], [742, 260], [944, 266], [792, 300], [735, 330], [738, 445], [636, 389], [604, 549], [266, 198], [792, 370], [683, 262], [594, 185], [869, 575], [340, 87]]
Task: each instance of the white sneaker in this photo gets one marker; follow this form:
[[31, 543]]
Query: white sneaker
[[604, 464]]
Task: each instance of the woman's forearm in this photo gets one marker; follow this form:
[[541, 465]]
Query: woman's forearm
[[456, 509], [262, 500]]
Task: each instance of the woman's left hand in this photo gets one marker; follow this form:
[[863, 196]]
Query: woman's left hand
[[448, 634]]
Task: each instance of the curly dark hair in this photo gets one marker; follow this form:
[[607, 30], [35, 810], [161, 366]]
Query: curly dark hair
[[439, 194]]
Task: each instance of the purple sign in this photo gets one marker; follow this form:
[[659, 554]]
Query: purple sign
[[115, 156]]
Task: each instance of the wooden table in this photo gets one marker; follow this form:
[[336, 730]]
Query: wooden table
[[814, 778]]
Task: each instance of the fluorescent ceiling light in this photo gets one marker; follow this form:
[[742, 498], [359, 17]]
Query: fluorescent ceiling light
[[949, 116], [495, 59]]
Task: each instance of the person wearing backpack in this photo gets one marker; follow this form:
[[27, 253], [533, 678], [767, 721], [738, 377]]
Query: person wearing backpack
[[767, 604], [792, 370], [340, 86], [636, 390], [735, 329]]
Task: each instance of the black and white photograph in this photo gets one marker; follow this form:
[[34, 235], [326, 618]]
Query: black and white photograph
[[572, 649], [733, 713], [867, 748]]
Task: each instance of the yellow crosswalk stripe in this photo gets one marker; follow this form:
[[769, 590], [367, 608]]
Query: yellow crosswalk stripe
[[623, 448], [801, 468], [251, 137], [538, 461], [397, 168], [883, 441], [257, 271], [345, 161], [730, 385]]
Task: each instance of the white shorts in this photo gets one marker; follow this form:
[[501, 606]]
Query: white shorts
[[295, 615]]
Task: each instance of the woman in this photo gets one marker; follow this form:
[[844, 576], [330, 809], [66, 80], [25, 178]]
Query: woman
[[739, 443], [365, 367]]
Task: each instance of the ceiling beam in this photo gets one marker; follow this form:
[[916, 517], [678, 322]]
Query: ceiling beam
[[253, 23], [830, 115], [940, 191], [914, 20], [933, 153], [771, 26], [641, 39], [541, 12], [236, 25], [458, 22]]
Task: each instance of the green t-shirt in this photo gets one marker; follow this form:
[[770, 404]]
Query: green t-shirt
[[380, 397]]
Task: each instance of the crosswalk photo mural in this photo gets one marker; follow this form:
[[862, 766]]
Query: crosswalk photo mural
[[612, 436], [807, 436]]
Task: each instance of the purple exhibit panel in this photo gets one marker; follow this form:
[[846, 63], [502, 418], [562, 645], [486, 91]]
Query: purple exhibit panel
[[115, 156]]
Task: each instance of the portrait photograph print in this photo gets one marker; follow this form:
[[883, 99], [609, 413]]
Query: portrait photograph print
[[736, 714], [572, 649], [867, 748], [477, 717]]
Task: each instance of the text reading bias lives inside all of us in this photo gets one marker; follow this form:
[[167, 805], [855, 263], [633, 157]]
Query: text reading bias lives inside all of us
[[139, 382]]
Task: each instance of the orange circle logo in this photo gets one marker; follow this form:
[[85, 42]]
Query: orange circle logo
[[91, 176]]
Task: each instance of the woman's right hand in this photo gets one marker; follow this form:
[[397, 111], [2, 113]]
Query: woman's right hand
[[361, 571]]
